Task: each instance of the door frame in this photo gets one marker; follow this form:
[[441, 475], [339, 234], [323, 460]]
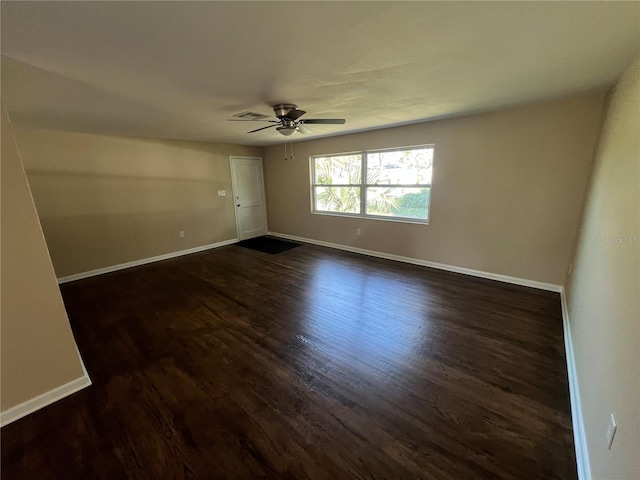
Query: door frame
[[234, 189]]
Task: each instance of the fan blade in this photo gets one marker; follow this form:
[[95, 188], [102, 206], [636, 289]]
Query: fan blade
[[328, 121], [263, 128], [303, 129], [295, 114], [254, 120]]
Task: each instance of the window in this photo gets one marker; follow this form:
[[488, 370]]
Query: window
[[383, 184]]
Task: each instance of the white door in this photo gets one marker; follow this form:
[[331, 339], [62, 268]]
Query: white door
[[248, 196]]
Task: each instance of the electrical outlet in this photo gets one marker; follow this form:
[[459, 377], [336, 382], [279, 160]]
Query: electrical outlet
[[181, 233], [358, 231], [222, 193], [611, 432]]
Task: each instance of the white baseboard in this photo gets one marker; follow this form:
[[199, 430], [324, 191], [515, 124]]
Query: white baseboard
[[41, 401], [425, 263], [144, 261], [579, 438]]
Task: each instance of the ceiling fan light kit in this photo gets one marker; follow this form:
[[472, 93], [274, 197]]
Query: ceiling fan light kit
[[286, 131], [287, 123]]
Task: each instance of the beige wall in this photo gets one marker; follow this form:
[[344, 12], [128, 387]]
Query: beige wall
[[603, 290], [105, 200], [38, 349], [507, 191]]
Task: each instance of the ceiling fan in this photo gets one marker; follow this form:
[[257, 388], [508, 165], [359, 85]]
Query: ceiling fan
[[288, 121]]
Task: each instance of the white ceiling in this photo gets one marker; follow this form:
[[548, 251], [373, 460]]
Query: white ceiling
[[180, 69]]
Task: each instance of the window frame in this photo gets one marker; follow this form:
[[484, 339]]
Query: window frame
[[363, 185]]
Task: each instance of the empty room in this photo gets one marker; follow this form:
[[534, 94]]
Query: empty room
[[320, 240]]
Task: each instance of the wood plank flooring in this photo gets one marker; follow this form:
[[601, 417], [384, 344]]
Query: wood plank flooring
[[310, 364]]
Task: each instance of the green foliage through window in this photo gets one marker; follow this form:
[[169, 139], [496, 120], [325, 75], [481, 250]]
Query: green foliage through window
[[397, 183]]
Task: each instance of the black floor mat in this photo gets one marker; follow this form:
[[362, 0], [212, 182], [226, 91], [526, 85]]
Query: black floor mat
[[267, 244]]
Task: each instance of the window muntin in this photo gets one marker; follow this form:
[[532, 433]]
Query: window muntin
[[396, 184]]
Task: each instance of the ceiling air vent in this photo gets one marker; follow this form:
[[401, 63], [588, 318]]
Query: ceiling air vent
[[250, 116]]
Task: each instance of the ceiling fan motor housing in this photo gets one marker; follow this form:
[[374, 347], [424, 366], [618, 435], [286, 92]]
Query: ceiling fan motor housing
[[283, 109]]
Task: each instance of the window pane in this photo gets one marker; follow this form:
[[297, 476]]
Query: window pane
[[404, 167], [338, 199], [399, 202], [344, 169]]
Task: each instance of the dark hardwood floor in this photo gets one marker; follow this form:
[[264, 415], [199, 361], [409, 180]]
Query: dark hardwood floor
[[309, 364]]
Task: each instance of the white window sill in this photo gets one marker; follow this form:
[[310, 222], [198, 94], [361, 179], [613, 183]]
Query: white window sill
[[374, 217]]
